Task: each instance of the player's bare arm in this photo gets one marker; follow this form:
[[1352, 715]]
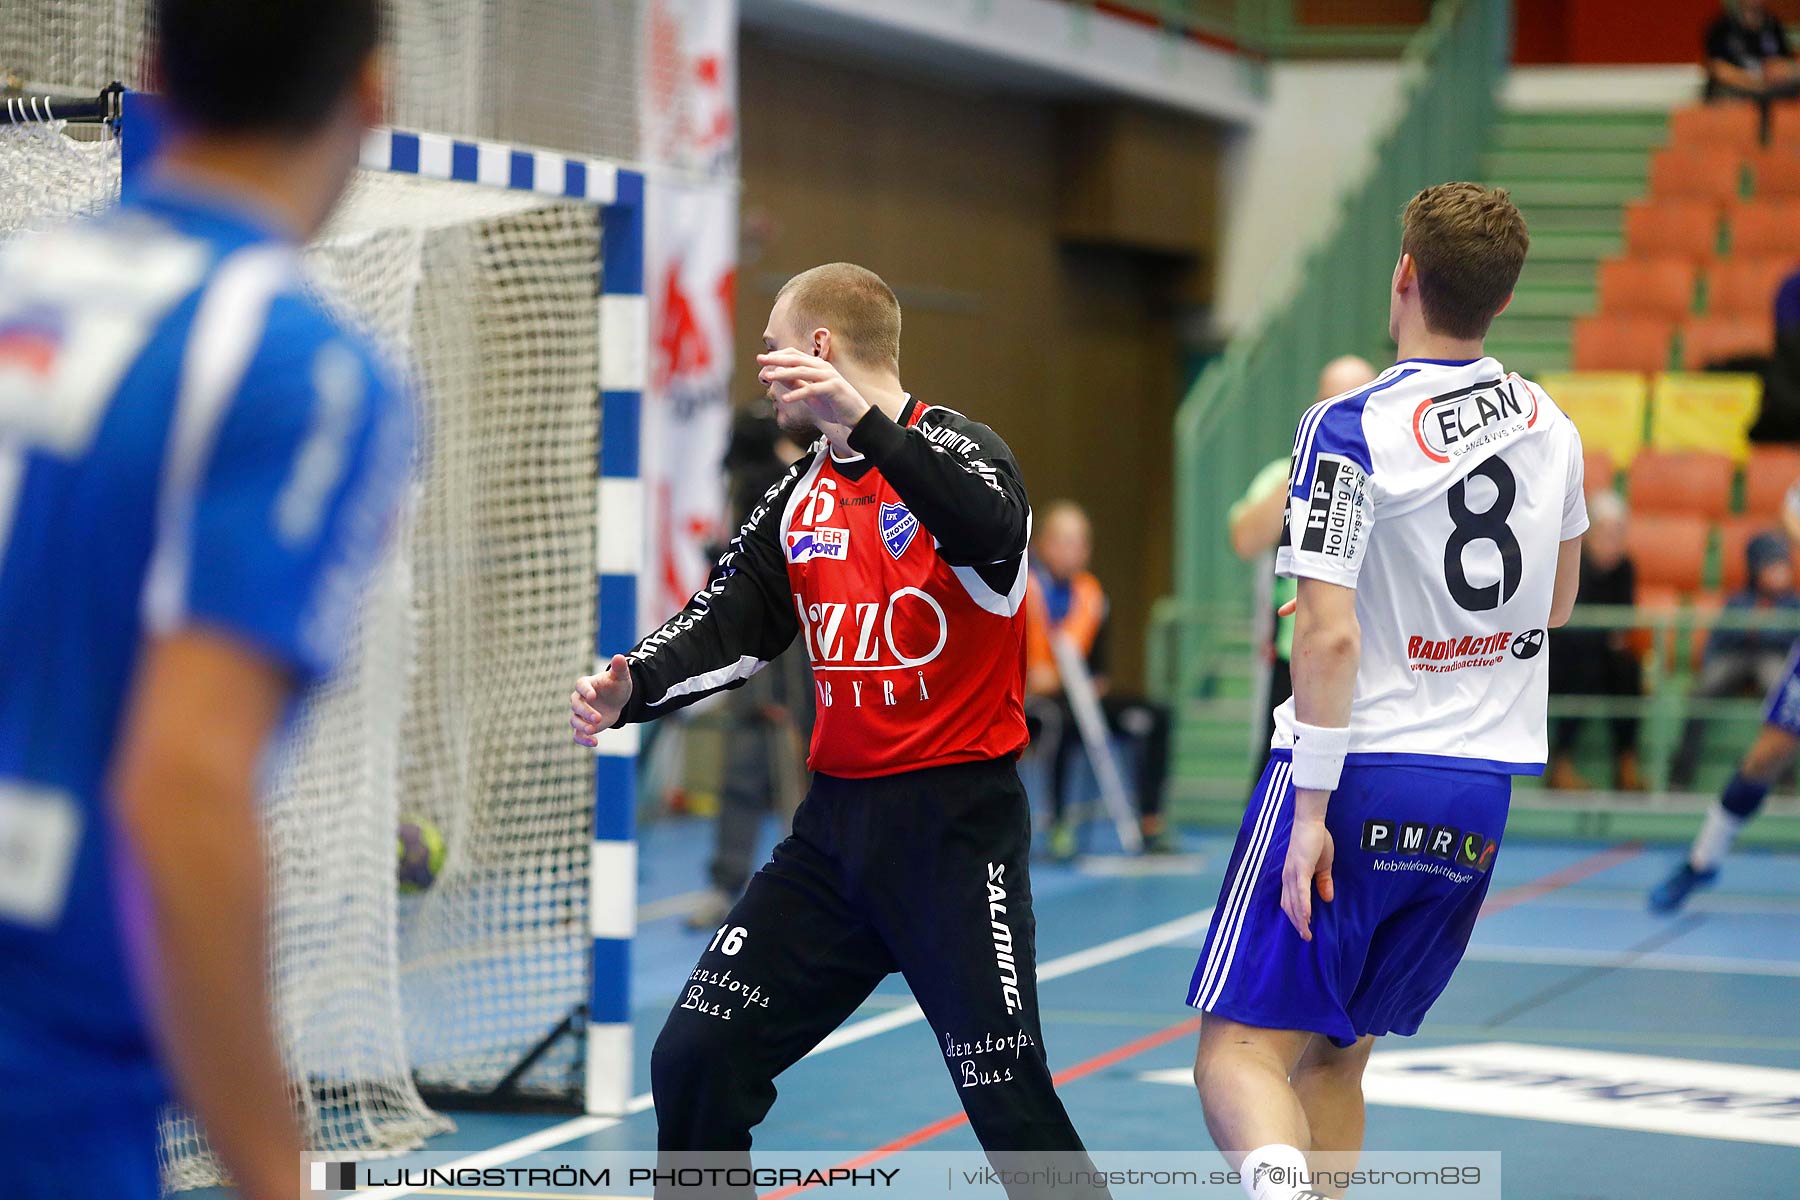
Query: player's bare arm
[[186, 786], [1568, 581], [1327, 650], [740, 620]]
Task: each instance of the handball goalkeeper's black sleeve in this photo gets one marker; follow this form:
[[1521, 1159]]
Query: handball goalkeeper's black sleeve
[[958, 478], [732, 627]]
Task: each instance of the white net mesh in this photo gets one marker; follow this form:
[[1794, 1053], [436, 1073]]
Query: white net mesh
[[450, 709], [49, 176], [555, 73]]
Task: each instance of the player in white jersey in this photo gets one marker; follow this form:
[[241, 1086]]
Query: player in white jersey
[[1434, 527]]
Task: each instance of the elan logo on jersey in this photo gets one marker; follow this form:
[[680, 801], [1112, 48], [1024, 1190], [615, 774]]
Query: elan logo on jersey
[[806, 545], [1420, 839], [1452, 425]]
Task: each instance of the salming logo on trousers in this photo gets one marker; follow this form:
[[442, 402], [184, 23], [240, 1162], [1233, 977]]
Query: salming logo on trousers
[[1003, 939]]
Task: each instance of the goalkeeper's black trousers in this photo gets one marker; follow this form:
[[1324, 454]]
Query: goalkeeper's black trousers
[[924, 873]]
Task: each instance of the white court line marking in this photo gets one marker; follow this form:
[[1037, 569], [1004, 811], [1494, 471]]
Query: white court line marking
[[859, 1031], [671, 906], [1704, 964]]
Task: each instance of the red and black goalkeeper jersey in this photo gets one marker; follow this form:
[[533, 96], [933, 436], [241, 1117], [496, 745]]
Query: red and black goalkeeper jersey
[[903, 571]]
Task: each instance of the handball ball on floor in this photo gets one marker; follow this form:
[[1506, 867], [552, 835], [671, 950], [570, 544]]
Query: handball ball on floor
[[419, 854]]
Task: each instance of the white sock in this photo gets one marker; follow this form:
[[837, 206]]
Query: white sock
[[1715, 839], [1275, 1172]]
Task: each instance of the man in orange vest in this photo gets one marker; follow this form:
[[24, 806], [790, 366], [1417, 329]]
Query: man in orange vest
[[1065, 597]]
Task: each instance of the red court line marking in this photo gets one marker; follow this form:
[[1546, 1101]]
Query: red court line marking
[[1575, 872], [1512, 897]]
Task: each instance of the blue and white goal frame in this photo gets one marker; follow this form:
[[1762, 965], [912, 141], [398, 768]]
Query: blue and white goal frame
[[624, 324], [622, 332]]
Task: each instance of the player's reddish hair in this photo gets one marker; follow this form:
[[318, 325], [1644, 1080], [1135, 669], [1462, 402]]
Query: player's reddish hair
[[1468, 244]]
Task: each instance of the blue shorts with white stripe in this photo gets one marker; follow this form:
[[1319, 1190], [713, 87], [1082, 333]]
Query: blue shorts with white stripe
[[1783, 705], [1414, 850]]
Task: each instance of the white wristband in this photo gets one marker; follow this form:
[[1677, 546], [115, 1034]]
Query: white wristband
[[1319, 756]]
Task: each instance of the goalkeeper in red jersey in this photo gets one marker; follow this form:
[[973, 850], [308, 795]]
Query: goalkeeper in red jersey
[[895, 551]]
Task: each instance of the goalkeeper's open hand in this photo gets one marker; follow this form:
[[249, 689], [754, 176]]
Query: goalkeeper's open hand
[[597, 700]]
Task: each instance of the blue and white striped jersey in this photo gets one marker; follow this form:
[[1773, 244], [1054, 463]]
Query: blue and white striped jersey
[[186, 439], [1442, 493]]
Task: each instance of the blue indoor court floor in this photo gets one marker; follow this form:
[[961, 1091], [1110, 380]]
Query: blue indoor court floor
[[1603, 1051]]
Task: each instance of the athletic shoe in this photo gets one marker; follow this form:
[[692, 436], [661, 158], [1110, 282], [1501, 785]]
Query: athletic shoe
[[1062, 841], [1160, 842], [1669, 895], [712, 910]]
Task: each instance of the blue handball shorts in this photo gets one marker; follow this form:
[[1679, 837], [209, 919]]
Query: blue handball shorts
[[1414, 850], [100, 1156], [1783, 711]]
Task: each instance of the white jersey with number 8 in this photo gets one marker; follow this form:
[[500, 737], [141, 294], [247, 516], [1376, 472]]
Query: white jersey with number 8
[[1441, 492]]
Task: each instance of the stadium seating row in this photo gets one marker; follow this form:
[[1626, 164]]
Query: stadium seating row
[[1722, 175], [1701, 230], [1641, 342], [1699, 484], [1674, 288], [1736, 126], [1620, 413], [1673, 552]]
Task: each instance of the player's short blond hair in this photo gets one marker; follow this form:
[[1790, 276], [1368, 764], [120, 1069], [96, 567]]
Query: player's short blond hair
[[855, 304], [1468, 243]]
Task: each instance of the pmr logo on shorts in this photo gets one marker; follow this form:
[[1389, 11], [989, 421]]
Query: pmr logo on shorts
[[1336, 520], [1465, 848], [898, 527], [333, 1176], [806, 545]]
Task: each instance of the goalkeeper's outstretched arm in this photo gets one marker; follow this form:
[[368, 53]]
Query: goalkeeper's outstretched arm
[[743, 618]]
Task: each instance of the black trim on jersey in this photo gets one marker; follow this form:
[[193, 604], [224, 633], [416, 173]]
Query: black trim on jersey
[[956, 476], [962, 482], [745, 611]]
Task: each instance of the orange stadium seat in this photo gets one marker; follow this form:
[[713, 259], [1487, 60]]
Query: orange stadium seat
[[1686, 483], [1784, 130], [1710, 173], [1622, 343], [1771, 471], [1734, 536], [1668, 552], [1765, 227], [1746, 285], [1737, 126], [1709, 340], [1597, 470], [1776, 173], [1672, 229], [1659, 287]]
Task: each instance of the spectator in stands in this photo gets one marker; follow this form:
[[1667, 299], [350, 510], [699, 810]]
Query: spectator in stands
[[769, 718], [1787, 306], [1066, 600], [1598, 662], [1740, 660], [1779, 418], [1748, 56], [1255, 523]]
